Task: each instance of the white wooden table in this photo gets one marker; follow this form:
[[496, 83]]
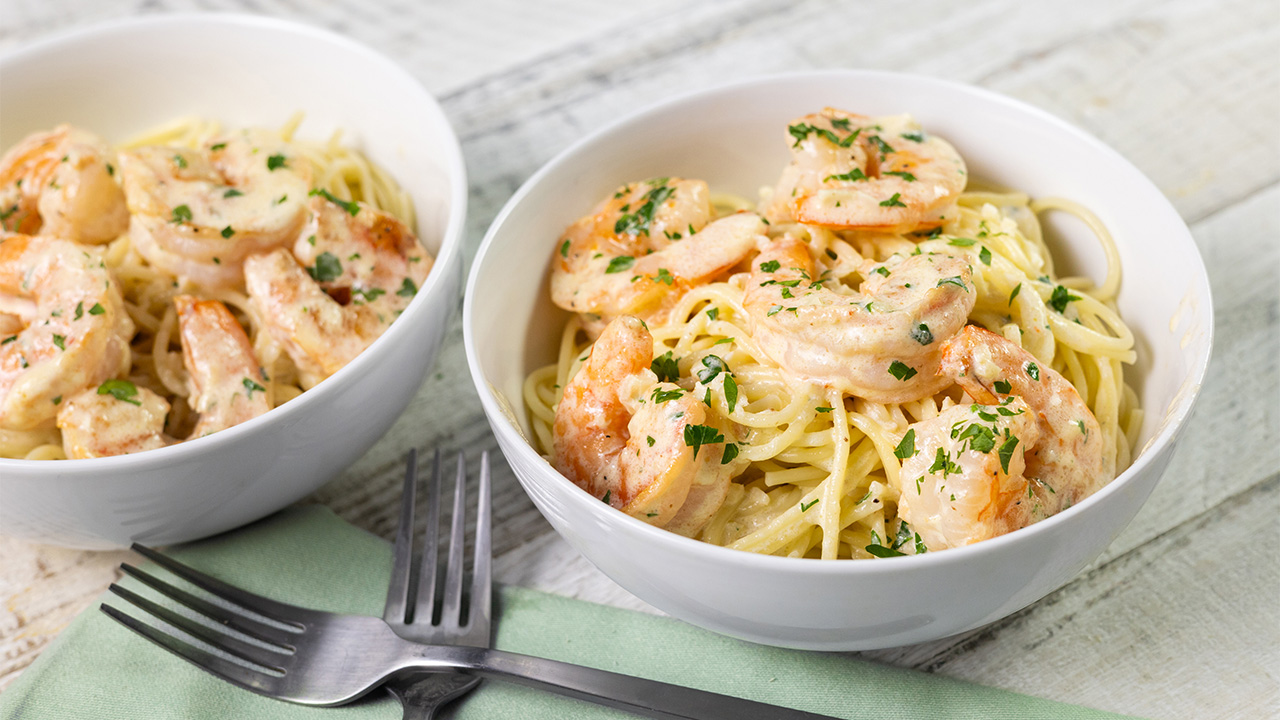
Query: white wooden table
[[1180, 618]]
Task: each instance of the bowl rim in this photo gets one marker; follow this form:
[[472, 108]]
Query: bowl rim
[[447, 259], [1166, 433]]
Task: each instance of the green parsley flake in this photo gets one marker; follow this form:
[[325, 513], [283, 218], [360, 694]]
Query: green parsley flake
[[1015, 292], [251, 386], [660, 396], [894, 201], [1033, 370], [730, 391], [666, 367], [771, 266], [713, 366], [921, 334], [985, 256], [352, 208], [902, 174], [60, 341], [881, 551], [664, 277], [79, 310], [695, 436], [97, 309], [638, 222], [804, 507], [730, 453], [121, 390], [227, 232], [564, 249], [181, 214], [823, 409], [1002, 386], [180, 161], [232, 193], [962, 242], [907, 447], [902, 371], [407, 289], [327, 268], [275, 162], [852, 176], [1006, 451], [620, 264], [954, 280], [649, 439], [713, 313], [1060, 297]]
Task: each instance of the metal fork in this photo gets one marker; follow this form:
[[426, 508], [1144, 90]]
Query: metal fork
[[411, 607], [313, 657]]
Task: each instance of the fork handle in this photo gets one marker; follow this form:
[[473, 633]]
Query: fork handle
[[623, 692]]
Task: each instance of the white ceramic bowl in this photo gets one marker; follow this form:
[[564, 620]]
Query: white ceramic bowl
[[123, 78], [732, 137]]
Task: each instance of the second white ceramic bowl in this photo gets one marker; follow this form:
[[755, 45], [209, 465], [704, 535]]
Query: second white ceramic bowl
[[733, 137], [124, 78]]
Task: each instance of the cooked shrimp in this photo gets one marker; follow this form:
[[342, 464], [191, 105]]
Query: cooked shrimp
[[198, 214], [68, 329], [882, 343], [362, 268], [642, 446], [643, 247], [226, 389], [226, 380], [1030, 449], [60, 183], [853, 172], [115, 418]]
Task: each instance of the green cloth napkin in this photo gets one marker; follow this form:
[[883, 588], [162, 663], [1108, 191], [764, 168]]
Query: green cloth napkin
[[305, 555]]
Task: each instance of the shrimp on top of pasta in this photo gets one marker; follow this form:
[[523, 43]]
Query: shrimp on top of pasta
[[186, 282], [873, 361]]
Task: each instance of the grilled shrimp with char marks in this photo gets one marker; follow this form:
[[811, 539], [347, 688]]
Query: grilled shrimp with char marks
[[643, 247], [628, 439], [61, 183], [882, 343], [853, 172]]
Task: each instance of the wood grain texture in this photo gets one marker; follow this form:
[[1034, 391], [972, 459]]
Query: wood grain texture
[[1180, 617]]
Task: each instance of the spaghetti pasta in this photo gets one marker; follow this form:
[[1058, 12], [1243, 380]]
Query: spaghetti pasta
[[339, 170], [821, 469]]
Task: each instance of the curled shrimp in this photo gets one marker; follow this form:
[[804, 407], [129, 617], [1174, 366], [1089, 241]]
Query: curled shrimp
[[198, 213], [226, 389], [643, 247], [351, 272], [65, 323], [1028, 449], [882, 343], [853, 172], [60, 183], [644, 447]]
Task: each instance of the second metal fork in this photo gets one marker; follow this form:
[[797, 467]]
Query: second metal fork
[[415, 610]]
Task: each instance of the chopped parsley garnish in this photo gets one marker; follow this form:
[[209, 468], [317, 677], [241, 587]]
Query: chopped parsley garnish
[[985, 256], [180, 161], [942, 462], [713, 366], [275, 162], [250, 386], [1006, 451], [79, 310], [327, 268], [823, 409], [713, 313], [695, 436], [619, 264], [1060, 297], [914, 136], [370, 294], [8, 340], [666, 367], [903, 536], [851, 176], [882, 270], [217, 146], [649, 439], [1033, 370], [894, 201], [774, 311], [664, 277], [907, 447], [962, 241], [607, 495], [1015, 292], [120, 390], [97, 309], [981, 438], [352, 208], [638, 222], [901, 370], [730, 453], [57, 400], [1002, 386], [181, 214], [730, 391], [881, 551], [60, 341], [660, 396], [902, 174], [884, 147], [804, 507], [921, 334], [803, 130], [232, 193], [771, 266], [407, 289], [564, 249], [953, 280], [227, 232]]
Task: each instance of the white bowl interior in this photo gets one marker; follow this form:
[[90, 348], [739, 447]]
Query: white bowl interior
[[122, 79], [735, 139]]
